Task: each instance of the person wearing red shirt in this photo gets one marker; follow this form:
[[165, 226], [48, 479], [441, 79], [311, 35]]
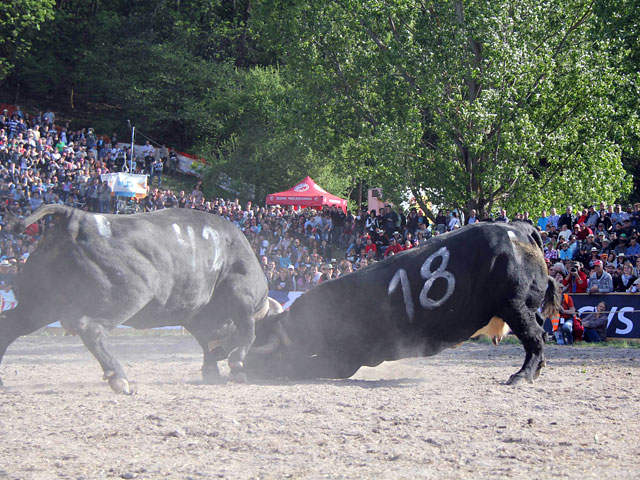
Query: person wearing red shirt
[[575, 281], [394, 247], [583, 232], [370, 247]]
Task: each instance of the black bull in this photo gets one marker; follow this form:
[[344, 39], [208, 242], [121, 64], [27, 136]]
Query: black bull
[[481, 279], [171, 267]]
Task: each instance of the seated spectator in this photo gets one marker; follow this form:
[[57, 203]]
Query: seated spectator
[[595, 324], [633, 250], [565, 252], [393, 247], [623, 282], [599, 280], [563, 323]]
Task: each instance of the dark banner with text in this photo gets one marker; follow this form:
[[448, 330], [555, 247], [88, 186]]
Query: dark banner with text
[[623, 316]]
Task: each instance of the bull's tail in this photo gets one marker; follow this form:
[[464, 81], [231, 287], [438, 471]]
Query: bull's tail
[[19, 224], [552, 299]]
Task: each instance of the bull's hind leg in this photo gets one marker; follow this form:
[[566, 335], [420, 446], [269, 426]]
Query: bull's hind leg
[[524, 324], [94, 337], [12, 326]]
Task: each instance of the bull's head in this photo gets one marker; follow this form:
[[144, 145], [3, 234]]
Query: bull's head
[[285, 349]]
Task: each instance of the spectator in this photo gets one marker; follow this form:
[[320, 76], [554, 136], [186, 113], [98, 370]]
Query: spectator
[[502, 217], [567, 218], [623, 283], [576, 280], [553, 218], [599, 280], [543, 221], [563, 324], [393, 248], [595, 324]]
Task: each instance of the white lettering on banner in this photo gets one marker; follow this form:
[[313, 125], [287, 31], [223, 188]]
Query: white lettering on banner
[[625, 320], [209, 233], [429, 277]]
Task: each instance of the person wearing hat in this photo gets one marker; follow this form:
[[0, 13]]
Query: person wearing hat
[[565, 252], [327, 272], [599, 280], [393, 248]]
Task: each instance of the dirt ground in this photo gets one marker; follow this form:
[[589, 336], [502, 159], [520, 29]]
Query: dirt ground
[[448, 416]]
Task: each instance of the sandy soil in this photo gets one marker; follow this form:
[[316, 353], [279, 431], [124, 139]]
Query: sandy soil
[[448, 416]]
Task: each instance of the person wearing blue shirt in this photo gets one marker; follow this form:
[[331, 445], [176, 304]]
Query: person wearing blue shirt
[[633, 250], [543, 220]]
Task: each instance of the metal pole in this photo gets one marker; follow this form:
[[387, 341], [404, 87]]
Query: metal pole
[[133, 134]]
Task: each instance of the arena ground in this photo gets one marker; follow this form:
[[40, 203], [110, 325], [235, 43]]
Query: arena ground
[[448, 416]]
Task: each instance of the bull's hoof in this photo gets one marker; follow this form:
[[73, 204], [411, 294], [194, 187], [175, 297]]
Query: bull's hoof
[[239, 377], [120, 386], [517, 378], [212, 377]]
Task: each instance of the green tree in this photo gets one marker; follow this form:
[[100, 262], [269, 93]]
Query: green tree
[[477, 104], [19, 19]]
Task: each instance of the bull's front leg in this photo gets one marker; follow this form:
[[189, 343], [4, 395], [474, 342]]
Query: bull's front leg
[[242, 339], [524, 324]]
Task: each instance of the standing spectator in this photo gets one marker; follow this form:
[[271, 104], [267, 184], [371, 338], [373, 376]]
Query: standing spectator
[[553, 218], [592, 218], [503, 216], [105, 198], [618, 216], [567, 218], [156, 171], [473, 218], [454, 222], [542, 221]]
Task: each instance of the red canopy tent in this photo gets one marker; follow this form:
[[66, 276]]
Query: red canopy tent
[[306, 194]]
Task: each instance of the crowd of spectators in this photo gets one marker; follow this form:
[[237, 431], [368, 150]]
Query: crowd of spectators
[[594, 250]]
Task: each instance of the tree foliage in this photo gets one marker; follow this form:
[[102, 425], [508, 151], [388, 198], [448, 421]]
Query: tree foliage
[[474, 103], [19, 20]]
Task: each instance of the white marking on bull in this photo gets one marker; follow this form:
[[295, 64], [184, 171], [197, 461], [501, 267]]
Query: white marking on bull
[[209, 233], [189, 242], [402, 278], [178, 231], [512, 236], [430, 277], [104, 226]]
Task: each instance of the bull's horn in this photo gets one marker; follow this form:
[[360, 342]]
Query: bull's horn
[[282, 334], [267, 348], [274, 306]]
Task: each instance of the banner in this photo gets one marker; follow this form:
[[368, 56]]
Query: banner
[[126, 184], [623, 308]]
